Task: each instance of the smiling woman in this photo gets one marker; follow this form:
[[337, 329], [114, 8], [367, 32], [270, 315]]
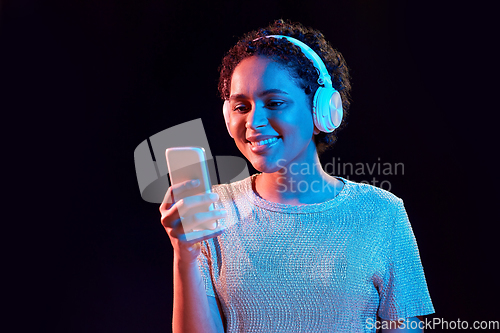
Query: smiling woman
[[300, 66], [304, 251]]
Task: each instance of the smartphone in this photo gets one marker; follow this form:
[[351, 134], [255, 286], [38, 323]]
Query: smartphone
[[189, 163]]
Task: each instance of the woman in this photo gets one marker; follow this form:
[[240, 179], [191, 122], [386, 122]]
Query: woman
[[302, 251]]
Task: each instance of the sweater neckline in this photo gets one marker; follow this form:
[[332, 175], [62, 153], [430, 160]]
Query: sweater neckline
[[287, 208]]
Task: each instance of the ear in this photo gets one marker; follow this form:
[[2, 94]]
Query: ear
[[226, 110], [316, 130]]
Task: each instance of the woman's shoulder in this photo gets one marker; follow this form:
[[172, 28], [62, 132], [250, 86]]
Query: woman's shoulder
[[363, 193], [231, 190]]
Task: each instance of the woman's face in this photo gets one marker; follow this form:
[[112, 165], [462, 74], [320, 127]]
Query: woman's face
[[270, 118]]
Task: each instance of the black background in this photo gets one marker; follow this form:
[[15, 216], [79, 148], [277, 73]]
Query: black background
[[86, 81]]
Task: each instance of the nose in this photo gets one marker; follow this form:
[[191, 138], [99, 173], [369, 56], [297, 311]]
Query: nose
[[257, 118]]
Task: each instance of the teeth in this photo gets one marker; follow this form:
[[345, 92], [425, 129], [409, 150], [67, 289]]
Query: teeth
[[265, 142]]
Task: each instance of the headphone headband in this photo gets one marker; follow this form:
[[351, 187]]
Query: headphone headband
[[324, 77]]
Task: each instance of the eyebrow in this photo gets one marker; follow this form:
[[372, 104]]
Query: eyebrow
[[264, 93]]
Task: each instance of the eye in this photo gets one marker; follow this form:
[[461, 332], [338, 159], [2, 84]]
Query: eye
[[240, 108], [275, 104]]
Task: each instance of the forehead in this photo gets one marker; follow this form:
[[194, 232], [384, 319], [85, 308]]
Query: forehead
[[260, 73]]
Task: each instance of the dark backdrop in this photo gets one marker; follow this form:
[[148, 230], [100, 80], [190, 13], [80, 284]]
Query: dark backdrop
[[87, 81]]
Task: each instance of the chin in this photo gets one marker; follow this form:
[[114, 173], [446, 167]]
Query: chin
[[265, 166], [261, 163]]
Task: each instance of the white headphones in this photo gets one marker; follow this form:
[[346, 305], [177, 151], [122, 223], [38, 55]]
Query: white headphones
[[327, 103]]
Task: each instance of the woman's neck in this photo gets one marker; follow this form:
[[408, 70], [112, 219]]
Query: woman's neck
[[298, 184]]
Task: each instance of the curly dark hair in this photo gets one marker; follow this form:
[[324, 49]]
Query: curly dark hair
[[301, 68]]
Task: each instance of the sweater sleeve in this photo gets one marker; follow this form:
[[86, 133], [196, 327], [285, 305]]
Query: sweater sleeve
[[404, 292]]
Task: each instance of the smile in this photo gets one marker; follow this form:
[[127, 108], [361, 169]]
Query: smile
[[264, 145], [264, 142]]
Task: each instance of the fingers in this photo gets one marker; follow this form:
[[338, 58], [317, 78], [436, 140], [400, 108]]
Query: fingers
[[207, 234], [196, 203], [202, 236], [203, 220], [194, 210], [189, 217], [168, 199]]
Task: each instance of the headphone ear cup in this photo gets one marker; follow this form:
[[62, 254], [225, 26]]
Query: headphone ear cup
[[327, 108], [226, 109], [336, 110]]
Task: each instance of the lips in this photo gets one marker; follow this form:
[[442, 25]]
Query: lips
[[260, 145], [264, 142]]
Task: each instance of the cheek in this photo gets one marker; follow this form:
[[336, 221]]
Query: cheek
[[295, 125], [236, 124]]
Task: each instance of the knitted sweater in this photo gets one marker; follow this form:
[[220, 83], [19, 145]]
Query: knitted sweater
[[327, 267]]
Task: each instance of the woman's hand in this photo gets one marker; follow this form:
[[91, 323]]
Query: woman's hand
[[172, 212]]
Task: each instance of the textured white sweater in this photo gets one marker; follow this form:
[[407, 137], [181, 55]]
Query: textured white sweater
[[328, 267]]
